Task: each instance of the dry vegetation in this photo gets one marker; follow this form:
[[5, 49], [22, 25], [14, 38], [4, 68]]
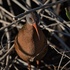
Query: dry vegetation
[[53, 22]]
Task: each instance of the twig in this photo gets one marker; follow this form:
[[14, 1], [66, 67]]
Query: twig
[[22, 14], [7, 23], [50, 18], [8, 38], [25, 64], [65, 65], [10, 6], [28, 2], [7, 12], [52, 30], [55, 48], [57, 18], [12, 23], [61, 60], [64, 46], [8, 52], [40, 3], [16, 68], [41, 7], [20, 5]]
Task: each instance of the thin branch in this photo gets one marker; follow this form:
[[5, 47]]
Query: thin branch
[[2, 28], [26, 64], [55, 48], [52, 30], [41, 7], [20, 5], [8, 52], [28, 2], [22, 14], [57, 18], [10, 6], [8, 38], [8, 23], [61, 60], [64, 46], [65, 65], [3, 9]]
